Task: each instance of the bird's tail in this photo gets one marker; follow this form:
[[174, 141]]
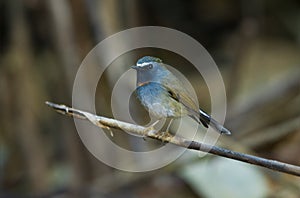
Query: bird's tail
[[206, 120]]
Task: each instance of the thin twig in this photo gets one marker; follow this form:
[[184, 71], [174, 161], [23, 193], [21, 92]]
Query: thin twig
[[150, 132]]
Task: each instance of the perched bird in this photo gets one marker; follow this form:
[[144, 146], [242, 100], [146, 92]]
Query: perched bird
[[164, 96]]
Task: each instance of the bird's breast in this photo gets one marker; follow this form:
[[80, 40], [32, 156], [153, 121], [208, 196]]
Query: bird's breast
[[156, 99]]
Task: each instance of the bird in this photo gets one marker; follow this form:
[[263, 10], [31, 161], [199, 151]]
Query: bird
[[164, 96]]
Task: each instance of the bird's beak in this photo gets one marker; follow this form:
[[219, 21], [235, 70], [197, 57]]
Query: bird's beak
[[134, 67]]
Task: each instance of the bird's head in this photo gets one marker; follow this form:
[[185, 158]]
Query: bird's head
[[149, 69]]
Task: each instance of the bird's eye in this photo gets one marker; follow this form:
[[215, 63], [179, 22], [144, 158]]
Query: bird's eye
[[150, 66]]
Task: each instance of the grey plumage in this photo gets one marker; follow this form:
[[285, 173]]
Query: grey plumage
[[163, 95]]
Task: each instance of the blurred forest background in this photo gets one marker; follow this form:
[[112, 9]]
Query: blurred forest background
[[256, 45]]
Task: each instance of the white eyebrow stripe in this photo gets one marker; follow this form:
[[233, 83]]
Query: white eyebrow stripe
[[143, 64]]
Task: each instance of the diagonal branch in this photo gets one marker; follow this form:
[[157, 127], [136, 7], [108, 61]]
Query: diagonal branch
[[150, 132]]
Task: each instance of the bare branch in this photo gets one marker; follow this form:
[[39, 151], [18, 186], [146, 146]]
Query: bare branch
[[150, 132]]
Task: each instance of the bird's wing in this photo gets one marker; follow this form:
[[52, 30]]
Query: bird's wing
[[182, 96], [198, 115], [192, 109], [179, 93]]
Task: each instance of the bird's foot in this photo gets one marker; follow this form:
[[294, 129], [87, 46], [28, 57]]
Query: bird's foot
[[164, 136], [150, 130]]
